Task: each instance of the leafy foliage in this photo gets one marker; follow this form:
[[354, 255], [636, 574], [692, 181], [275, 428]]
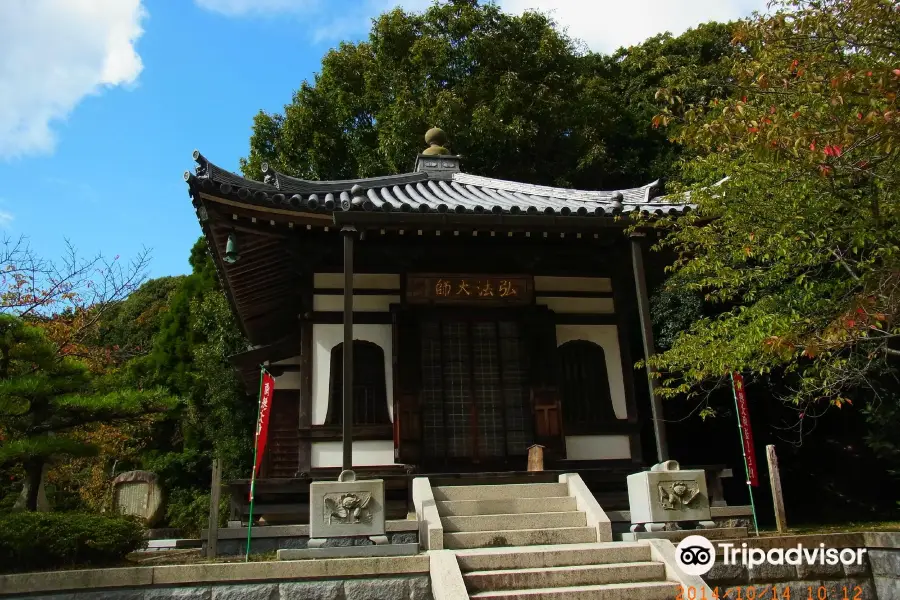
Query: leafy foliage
[[44, 396], [34, 541], [799, 246]]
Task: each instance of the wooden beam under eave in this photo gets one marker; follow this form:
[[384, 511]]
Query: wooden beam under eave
[[255, 296], [267, 212], [256, 268]]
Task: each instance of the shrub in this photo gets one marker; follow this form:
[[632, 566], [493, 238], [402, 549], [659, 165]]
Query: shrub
[[33, 541], [188, 510]]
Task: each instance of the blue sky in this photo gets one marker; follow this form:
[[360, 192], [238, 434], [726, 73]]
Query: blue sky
[[102, 101]]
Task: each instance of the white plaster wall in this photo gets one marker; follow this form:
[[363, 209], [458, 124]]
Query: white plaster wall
[[325, 338], [569, 305], [607, 337], [365, 453], [572, 284], [597, 447]]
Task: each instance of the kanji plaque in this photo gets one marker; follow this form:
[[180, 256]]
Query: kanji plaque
[[469, 289]]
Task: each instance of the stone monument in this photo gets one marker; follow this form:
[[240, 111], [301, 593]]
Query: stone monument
[[665, 494], [138, 493]]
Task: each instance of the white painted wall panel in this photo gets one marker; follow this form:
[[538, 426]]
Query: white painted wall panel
[[569, 305], [369, 453], [597, 447], [361, 281], [325, 338], [607, 337], [335, 303], [572, 284]]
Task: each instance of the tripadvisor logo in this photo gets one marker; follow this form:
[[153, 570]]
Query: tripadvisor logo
[[696, 555]]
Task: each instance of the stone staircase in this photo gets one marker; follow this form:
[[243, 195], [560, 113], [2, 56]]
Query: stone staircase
[[479, 516], [598, 571], [530, 542]]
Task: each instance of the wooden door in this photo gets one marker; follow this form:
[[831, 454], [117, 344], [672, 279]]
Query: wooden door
[[545, 396]]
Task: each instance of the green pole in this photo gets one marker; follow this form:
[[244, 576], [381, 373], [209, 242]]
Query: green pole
[[253, 474], [743, 451]]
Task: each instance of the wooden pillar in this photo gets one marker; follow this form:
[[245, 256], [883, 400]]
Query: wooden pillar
[[347, 430], [212, 539], [623, 302], [777, 497], [643, 301], [304, 414]]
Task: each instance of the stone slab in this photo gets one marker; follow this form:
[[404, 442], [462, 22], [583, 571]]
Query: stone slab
[[677, 536], [587, 503], [885, 563], [520, 537], [716, 512], [492, 559], [350, 551], [264, 531], [312, 590], [245, 592], [446, 578]]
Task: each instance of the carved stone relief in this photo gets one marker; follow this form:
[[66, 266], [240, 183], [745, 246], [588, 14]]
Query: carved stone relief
[[676, 495], [348, 508]]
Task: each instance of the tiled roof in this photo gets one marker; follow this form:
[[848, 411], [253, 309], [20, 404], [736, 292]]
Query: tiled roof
[[425, 192]]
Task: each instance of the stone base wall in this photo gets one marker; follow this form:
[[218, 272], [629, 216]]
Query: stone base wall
[[265, 545], [885, 564], [407, 587], [737, 581]]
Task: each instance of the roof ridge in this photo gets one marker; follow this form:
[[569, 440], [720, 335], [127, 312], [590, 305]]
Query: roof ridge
[[288, 183], [557, 192]]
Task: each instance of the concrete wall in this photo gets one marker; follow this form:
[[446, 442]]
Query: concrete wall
[[878, 578], [372, 578], [407, 587]]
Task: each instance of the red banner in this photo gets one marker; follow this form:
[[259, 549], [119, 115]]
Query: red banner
[[746, 429], [262, 424]]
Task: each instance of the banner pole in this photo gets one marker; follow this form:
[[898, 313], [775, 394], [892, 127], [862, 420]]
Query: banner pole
[[262, 372], [737, 411]]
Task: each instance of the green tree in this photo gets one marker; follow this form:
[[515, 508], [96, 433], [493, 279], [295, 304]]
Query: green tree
[[193, 334], [45, 396], [799, 246], [517, 97]]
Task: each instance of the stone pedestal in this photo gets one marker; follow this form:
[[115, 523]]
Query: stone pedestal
[[666, 494], [346, 507]]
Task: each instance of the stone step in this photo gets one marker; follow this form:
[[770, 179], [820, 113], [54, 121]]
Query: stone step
[[646, 590], [518, 579], [500, 492], [533, 557], [519, 537], [541, 520], [462, 508]]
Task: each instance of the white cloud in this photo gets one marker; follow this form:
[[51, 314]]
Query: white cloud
[[606, 25], [53, 53], [236, 8], [6, 219]]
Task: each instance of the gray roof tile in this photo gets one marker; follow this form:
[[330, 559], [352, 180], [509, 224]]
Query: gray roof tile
[[419, 192]]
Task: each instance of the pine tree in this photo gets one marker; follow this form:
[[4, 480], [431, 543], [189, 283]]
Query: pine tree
[[45, 394]]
